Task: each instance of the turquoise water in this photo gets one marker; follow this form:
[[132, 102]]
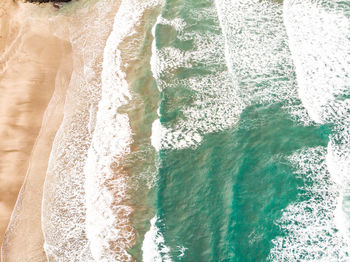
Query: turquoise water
[[241, 167], [221, 200]]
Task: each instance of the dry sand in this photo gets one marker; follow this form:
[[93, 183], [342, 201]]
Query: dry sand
[[35, 67]]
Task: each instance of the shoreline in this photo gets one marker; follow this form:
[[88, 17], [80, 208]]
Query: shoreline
[[26, 216], [38, 228]]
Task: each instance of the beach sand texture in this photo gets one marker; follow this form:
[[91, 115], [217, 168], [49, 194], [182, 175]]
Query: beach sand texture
[[35, 67], [44, 52]]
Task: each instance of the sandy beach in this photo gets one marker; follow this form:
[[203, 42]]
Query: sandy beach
[[35, 69], [45, 54], [52, 63]]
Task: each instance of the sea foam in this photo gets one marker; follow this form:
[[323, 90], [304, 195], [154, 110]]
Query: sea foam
[[318, 229], [85, 213], [108, 225], [310, 224], [257, 52], [266, 64], [249, 61], [263, 57], [63, 205], [214, 104], [153, 247]]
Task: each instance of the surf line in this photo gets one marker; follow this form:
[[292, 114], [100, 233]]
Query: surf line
[[108, 225], [318, 39]]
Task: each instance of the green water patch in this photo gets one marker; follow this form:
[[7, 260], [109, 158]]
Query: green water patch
[[221, 200], [174, 100], [265, 182], [168, 36], [194, 189]]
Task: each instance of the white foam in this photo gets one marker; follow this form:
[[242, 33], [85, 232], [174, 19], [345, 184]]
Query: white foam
[[215, 104], [319, 41], [153, 246], [318, 34], [252, 43], [310, 224], [257, 50], [154, 58], [63, 206], [108, 225], [182, 251], [85, 217], [156, 138], [178, 23]]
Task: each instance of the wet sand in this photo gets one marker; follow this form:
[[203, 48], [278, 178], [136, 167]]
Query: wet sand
[[35, 68]]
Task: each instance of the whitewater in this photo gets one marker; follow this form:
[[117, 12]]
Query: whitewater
[[295, 55], [318, 34], [86, 214]]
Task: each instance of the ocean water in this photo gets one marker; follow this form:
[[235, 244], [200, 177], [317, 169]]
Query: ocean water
[[252, 136], [211, 130]]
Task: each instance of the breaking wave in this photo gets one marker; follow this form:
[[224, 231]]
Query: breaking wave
[[318, 33]]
